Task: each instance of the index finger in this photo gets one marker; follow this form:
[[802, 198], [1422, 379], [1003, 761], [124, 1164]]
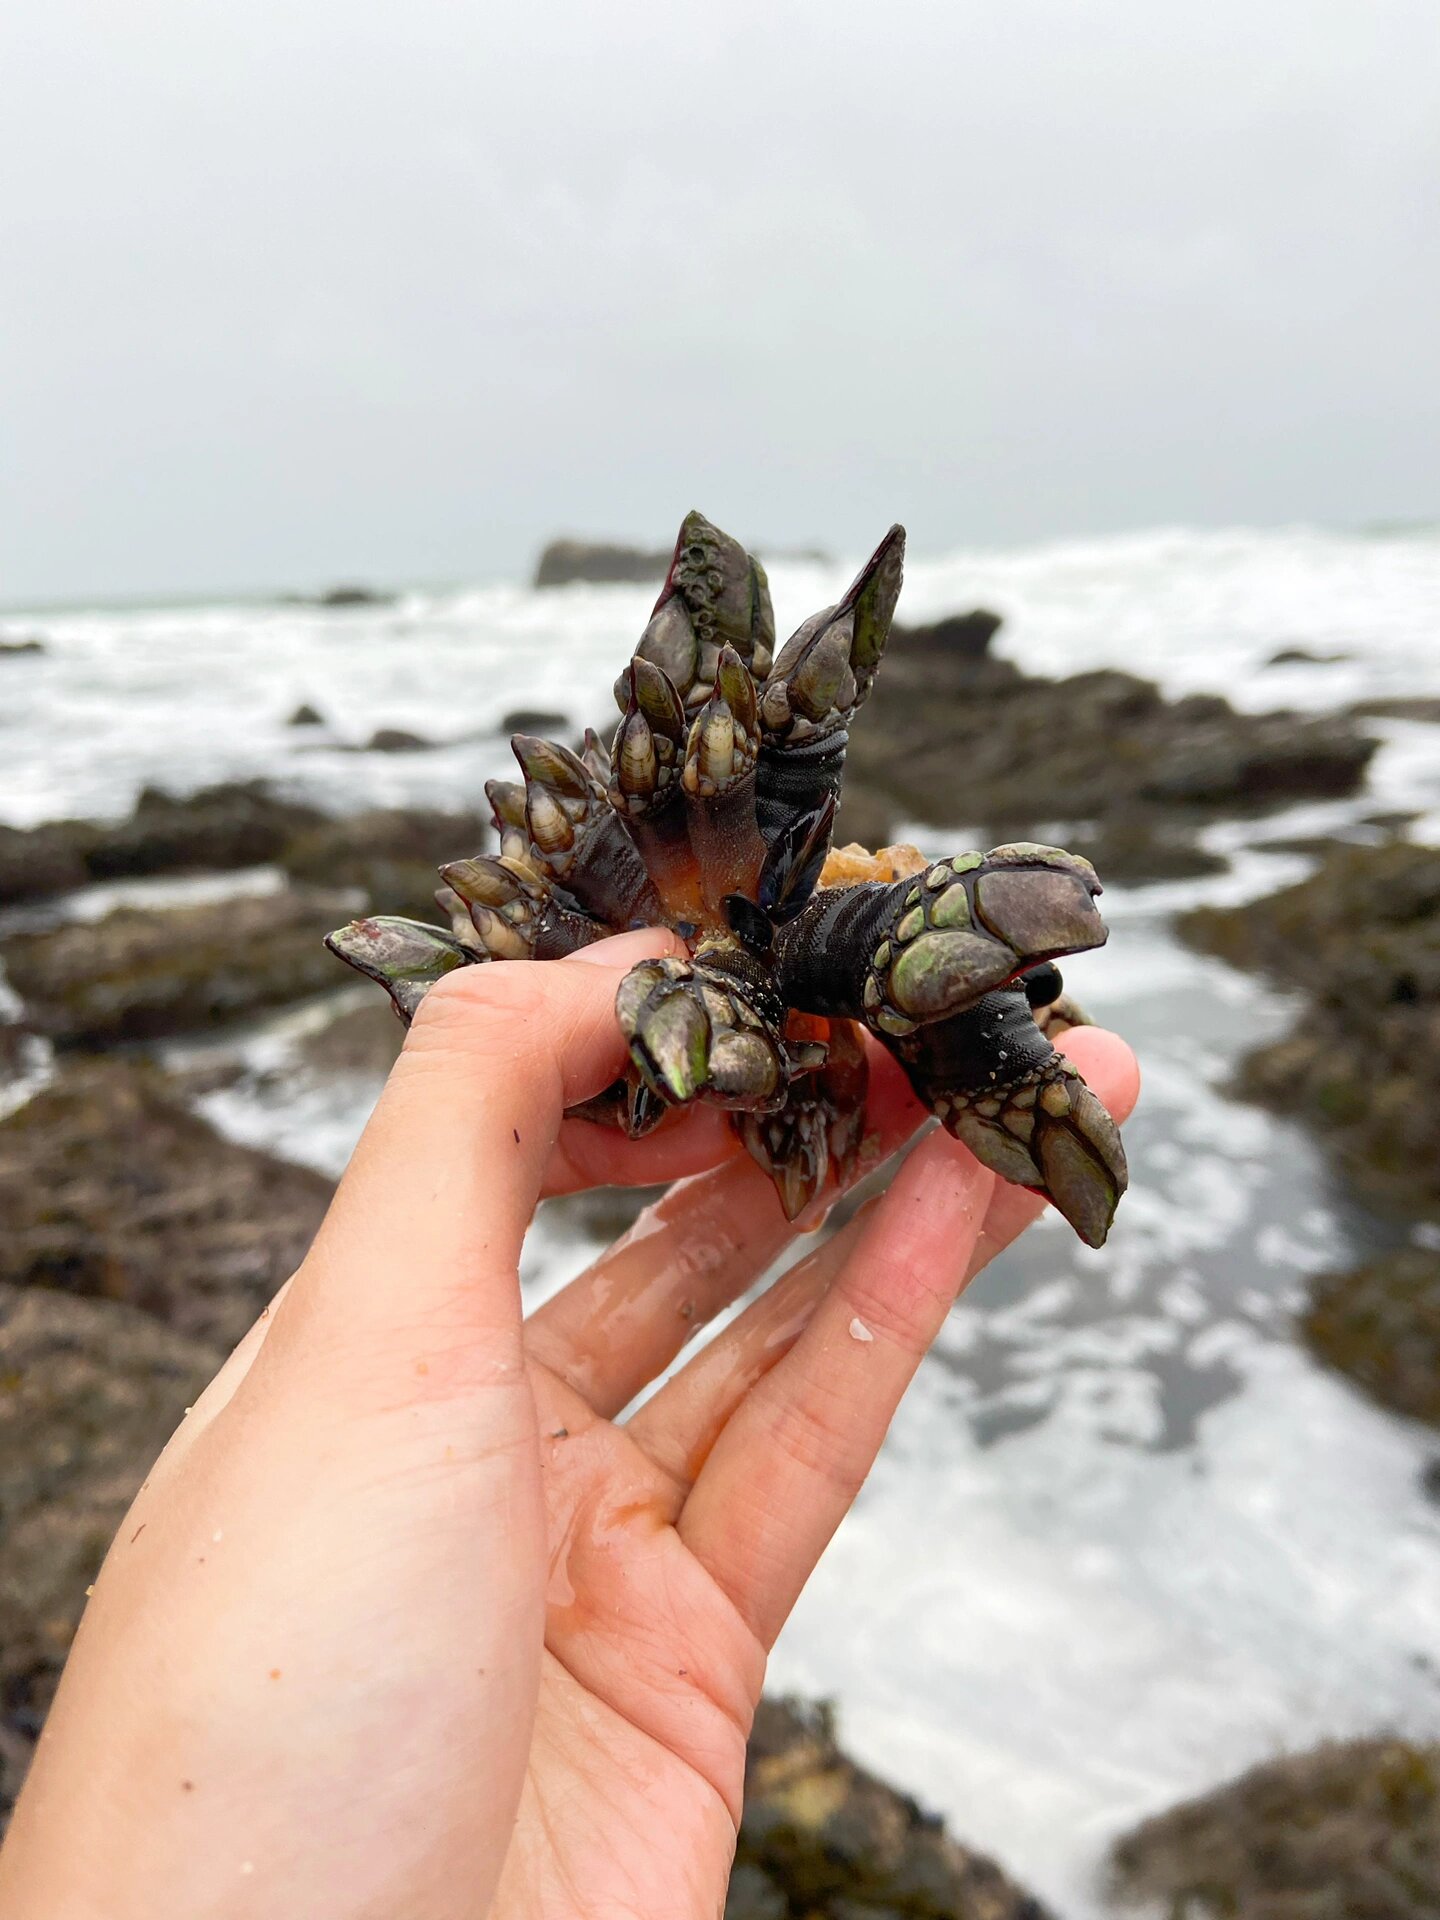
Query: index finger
[[426, 1227]]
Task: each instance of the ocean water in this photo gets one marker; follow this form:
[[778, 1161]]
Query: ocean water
[[1125, 1537]]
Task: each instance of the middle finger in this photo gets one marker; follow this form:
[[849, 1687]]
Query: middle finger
[[620, 1323]]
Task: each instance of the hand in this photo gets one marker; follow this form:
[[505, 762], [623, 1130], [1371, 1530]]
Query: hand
[[403, 1623]]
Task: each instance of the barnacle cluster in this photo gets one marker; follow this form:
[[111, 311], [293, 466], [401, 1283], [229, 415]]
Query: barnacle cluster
[[711, 813]]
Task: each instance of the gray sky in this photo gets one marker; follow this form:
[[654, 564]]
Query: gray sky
[[297, 290]]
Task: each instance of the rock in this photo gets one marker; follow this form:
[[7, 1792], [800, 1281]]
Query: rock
[[89, 1393], [1349, 1831], [537, 720], [14, 648], [365, 1038], [1361, 940], [753, 1895], [110, 1187], [837, 1842], [953, 737], [142, 973], [1418, 706], [306, 716], [242, 823], [396, 740], [1303, 657], [390, 854], [1137, 848], [1381, 1326], [36, 862], [348, 596], [958, 637], [235, 824], [564, 561]]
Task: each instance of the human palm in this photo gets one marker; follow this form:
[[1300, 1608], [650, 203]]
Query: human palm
[[406, 1619]]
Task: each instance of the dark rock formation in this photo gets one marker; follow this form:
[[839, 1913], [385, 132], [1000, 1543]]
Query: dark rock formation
[[306, 716], [12, 649], [389, 854], [1381, 1325], [1361, 940], [139, 975], [239, 823], [1350, 1831], [365, 1038], [89, 1393], [600, 560], [954, 737], [1415, 706], [1303, 657], [111, 1188], [341, 597], [536, 720], [822, 1839], [396, 740]]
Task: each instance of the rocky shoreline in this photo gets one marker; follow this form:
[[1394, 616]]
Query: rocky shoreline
[[144, 1241], [1359, 940]]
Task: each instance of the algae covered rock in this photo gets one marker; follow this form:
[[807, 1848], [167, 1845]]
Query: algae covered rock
[[1350, 1831], [1381, 1325], [143, 973], [390, 854], [824, 1839], [955, 734], [89, 1393], [111, 1188], [1361, 940]]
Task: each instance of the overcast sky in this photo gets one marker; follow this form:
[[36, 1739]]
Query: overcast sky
[[300, 290]]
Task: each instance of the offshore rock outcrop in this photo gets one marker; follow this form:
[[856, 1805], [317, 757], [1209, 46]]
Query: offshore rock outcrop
[[600, 561], [955, 735], [240, 823]]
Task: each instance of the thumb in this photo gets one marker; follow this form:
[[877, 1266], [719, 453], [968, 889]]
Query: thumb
[[427, 1224]]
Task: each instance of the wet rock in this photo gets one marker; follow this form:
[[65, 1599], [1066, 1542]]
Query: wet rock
[[1418, 706], [564, 561], [1349, 1831], [753, 1895], [345, 595], [396, 740], [36, 862], [837, 1843], [390, 854], [937, 646], [538, 720], [89, 1393], [306, 716], [140, 974], [1303, 657], [242, 823], [235, 824], [13, 649], [1381, 1325], [954, 737], [111, 1188], [1361, 940], [364, 1038]]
